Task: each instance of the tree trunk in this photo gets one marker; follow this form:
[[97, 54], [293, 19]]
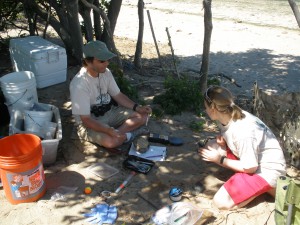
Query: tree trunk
[[67, 27], [30, 18], [74, 28], [139, 44], [112, 15], [47, 21], [66, 23], [111, 44], [97, 22], [295, 10], [206, 44], [85, 12]]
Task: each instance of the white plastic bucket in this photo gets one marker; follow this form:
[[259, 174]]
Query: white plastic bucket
[[34, 121], [19, 90]]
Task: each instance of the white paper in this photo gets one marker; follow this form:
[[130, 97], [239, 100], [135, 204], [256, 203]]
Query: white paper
[[154, 153]]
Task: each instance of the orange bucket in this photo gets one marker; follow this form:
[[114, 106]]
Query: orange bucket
[[21, 168]]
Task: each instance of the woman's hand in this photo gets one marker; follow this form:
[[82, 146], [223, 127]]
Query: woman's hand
[[209, 154], [221, 141]]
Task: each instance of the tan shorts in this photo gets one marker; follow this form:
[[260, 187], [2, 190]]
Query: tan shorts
[[113, 118]]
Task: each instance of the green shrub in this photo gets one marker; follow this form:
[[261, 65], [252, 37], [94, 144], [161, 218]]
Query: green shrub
[[213, 81], [127, 88], [180, 95], [197, 125], [123, 83], [157, 113]]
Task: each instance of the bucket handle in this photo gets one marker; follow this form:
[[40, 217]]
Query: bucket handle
[[33, 120], [18, 99]]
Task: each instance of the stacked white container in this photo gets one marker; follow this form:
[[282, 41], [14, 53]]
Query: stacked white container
[[19, 90], [17, 126], [46, 60]]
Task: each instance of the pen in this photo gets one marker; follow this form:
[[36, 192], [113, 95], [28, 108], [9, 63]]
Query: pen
[[153, 156], [147, 120], [125, 182], [180, 217]]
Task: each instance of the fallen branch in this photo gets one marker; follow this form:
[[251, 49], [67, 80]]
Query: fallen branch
[[147, 82], [227, 77], [219, 75]]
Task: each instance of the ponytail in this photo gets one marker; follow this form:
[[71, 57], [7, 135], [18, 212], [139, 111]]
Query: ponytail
[[222, 99], [237, 113]]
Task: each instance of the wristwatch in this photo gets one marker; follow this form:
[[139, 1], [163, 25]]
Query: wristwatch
[[135, 106], [222, 159]]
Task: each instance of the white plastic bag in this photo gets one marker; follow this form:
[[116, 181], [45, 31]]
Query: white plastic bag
[[179, 213]]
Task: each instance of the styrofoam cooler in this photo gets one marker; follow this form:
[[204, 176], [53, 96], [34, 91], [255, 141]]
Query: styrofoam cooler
[[17, 126], [46, 60]]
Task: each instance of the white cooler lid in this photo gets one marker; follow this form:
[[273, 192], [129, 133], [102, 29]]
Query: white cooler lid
[[36, 47]]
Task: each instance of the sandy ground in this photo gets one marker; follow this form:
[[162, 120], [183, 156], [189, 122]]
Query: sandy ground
[[248, 46], [245, 52]]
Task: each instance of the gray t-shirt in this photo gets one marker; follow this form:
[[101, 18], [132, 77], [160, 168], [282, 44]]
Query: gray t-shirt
[[87, 91]]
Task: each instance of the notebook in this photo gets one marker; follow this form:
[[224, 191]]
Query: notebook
[[154, 153]]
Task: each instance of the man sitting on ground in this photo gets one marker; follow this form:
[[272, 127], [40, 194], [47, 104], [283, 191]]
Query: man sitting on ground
[[103, 114]]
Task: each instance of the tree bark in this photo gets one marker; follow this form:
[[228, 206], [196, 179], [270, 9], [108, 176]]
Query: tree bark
[[112, 15], [85, 12], [97, 22], [74, 27], [47, 22], [139, 44], [295, 11], [206, 44], [64, 20], [111, 44], [30, 18], [62, 25]]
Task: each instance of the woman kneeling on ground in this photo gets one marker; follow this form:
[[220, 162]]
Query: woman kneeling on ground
[[246, 145]]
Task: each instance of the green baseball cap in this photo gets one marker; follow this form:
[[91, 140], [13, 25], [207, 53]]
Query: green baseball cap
[[97, 49]]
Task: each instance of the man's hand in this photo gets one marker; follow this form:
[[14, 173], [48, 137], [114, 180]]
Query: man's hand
[[144, 109], [113, 132]]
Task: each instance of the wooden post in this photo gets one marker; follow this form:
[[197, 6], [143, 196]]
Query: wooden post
[[208, 26], [139, 43], [295, 10], [172, 50], [153, 35]]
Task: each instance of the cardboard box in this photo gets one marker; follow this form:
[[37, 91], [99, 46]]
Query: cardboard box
[[46, 60], [50, 146]]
